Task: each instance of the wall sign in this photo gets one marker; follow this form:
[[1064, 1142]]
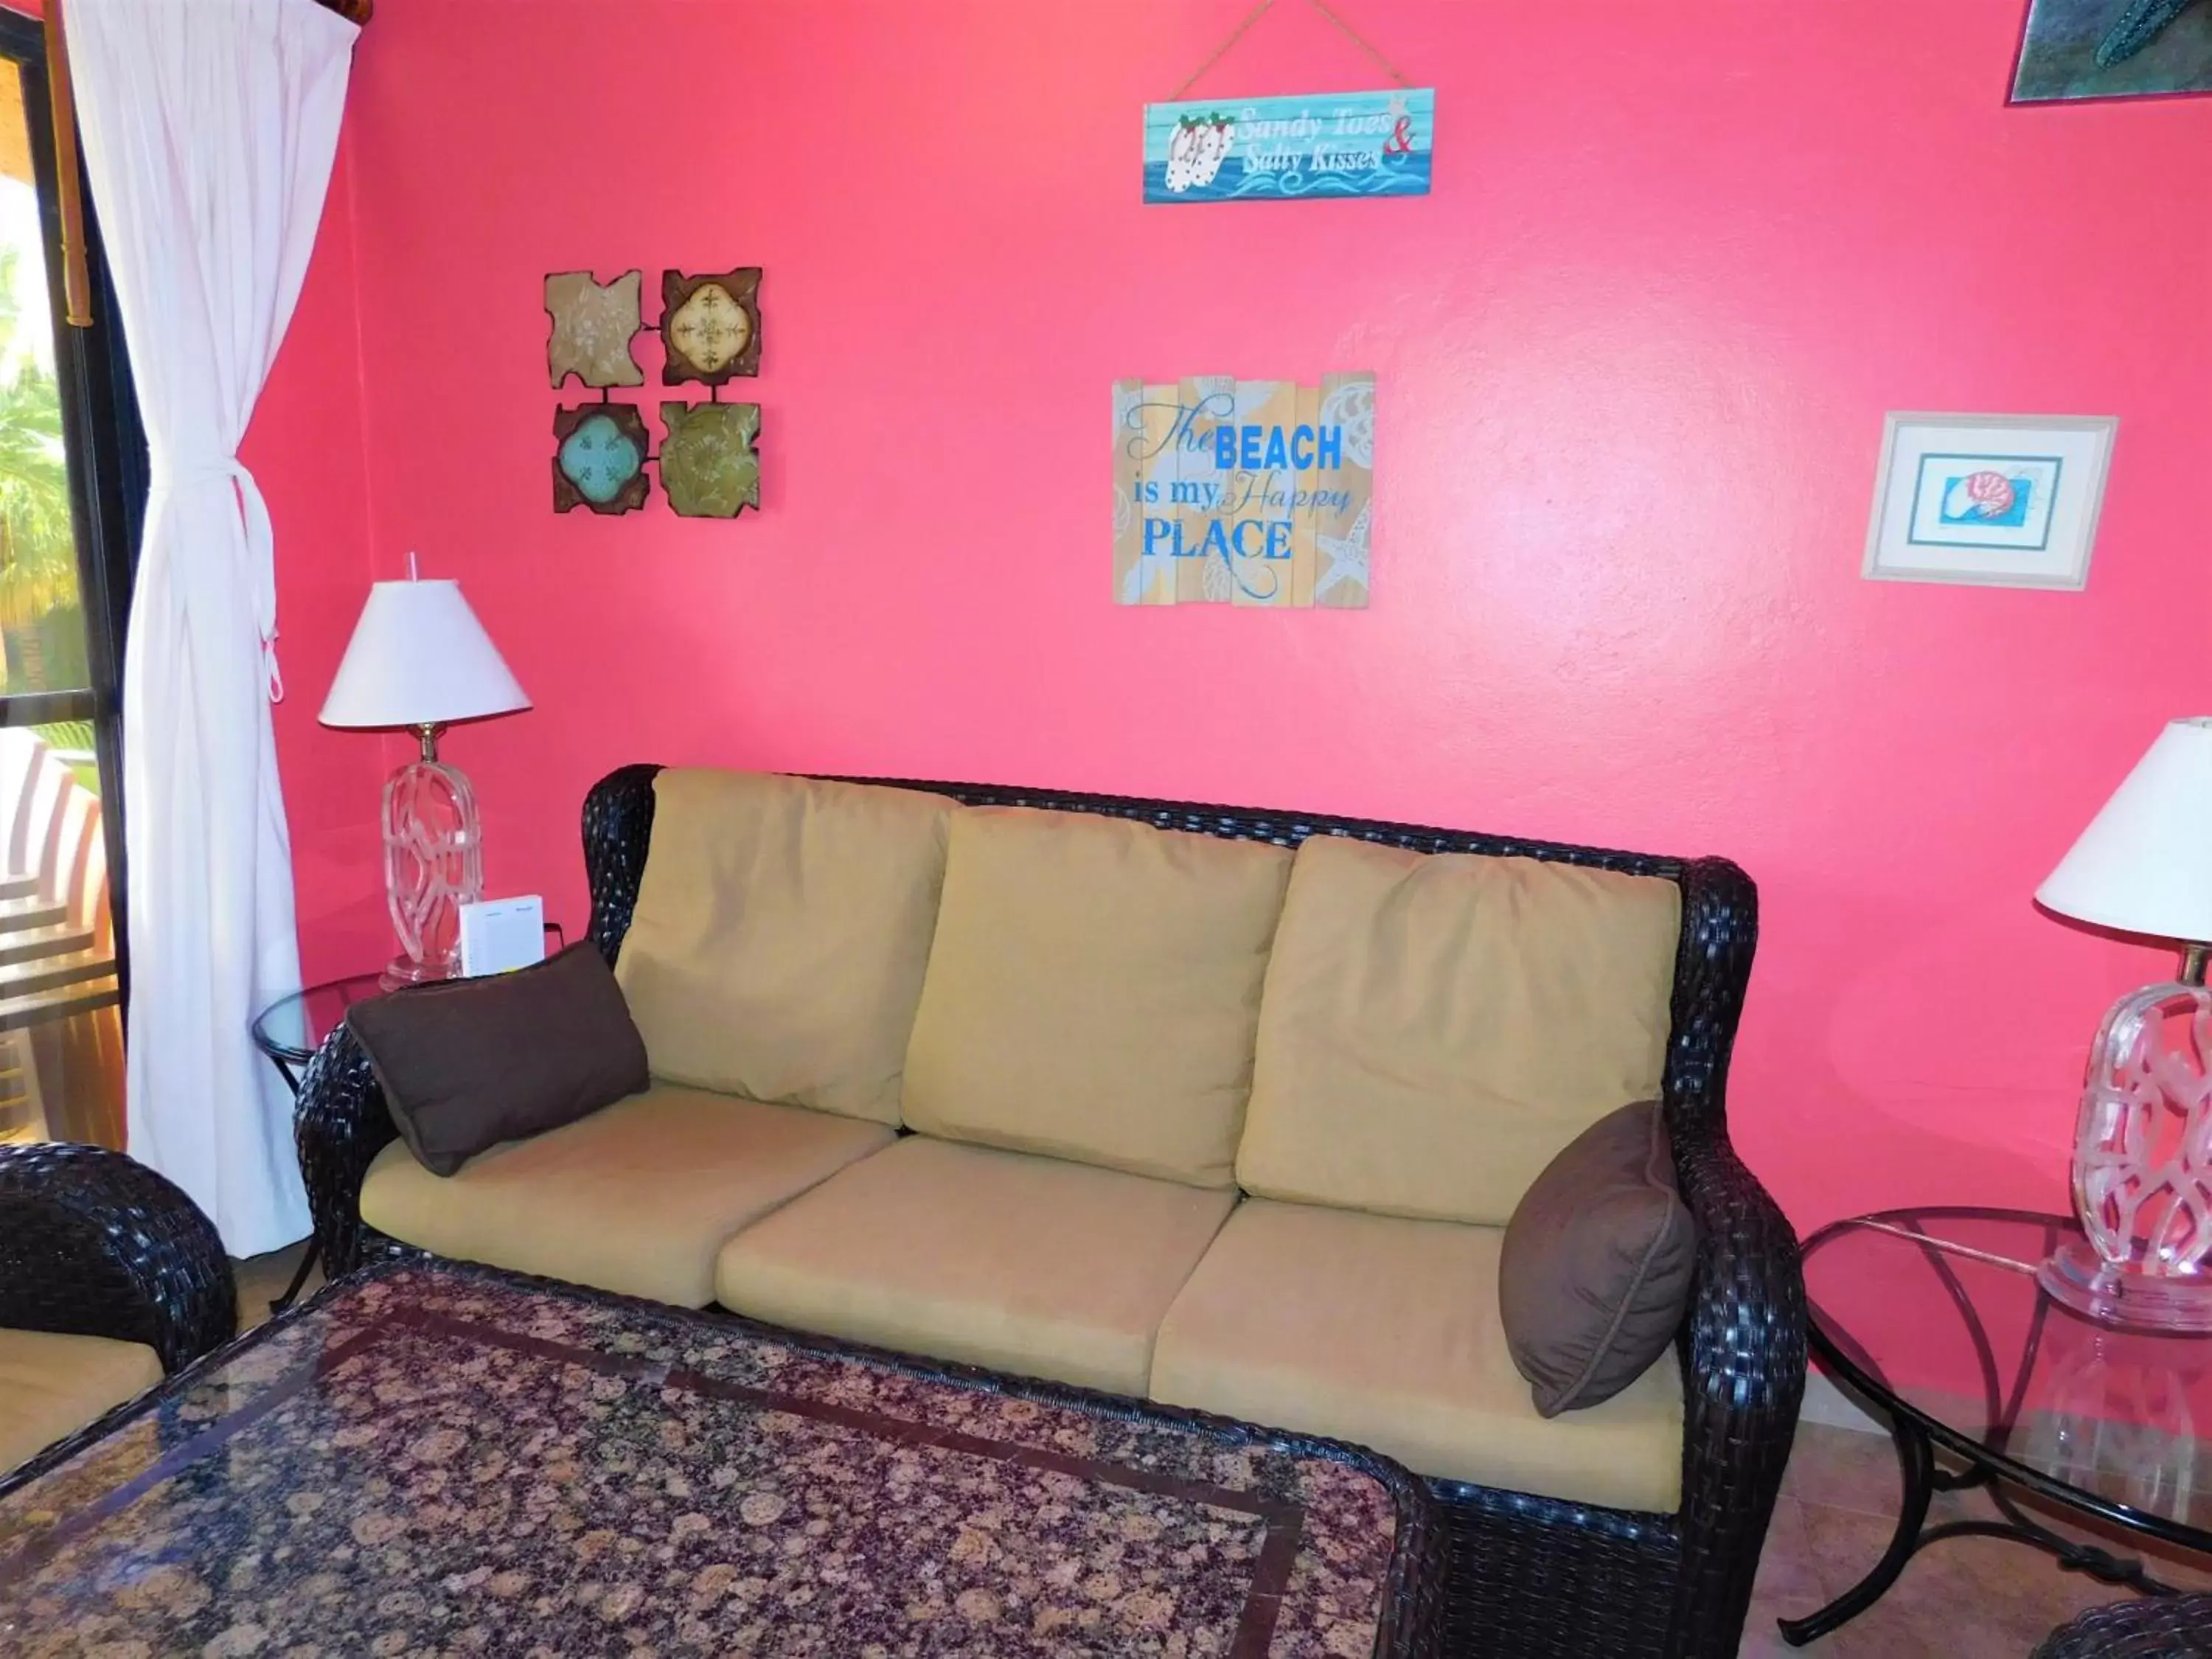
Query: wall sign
[[1273, 150], [1243, 492]]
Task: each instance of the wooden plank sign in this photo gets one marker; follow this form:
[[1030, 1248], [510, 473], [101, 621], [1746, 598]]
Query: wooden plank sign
[[1243, 492], [1275, 149]]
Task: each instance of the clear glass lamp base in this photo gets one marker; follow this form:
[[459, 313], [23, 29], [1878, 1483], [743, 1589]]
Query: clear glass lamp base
[[2122, 1294], [2143, 1169], [433, 865]]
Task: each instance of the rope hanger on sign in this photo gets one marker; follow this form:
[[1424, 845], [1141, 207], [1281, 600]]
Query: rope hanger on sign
[[1260, 11]]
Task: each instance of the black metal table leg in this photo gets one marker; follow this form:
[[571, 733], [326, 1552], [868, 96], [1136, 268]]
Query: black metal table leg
[[314, 1242], [1918, 1461], [307, 1266]]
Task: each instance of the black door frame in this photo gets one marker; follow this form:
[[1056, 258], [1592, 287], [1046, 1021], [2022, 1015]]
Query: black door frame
[[107, 472]]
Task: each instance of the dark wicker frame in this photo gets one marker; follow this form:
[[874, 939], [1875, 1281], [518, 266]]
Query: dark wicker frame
[[93, 1243], [1527, 1576], [2179, 1628]]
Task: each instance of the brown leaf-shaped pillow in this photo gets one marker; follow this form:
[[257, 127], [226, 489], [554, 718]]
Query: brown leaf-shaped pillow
[[1596, 1274], [467, 1063]]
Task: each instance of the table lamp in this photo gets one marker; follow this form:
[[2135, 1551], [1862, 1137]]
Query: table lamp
[[2143, 1147], [419, 660]]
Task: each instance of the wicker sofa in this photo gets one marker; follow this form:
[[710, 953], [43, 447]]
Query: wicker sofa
[[917, 1199], [110, 1279], [2177, 1627]]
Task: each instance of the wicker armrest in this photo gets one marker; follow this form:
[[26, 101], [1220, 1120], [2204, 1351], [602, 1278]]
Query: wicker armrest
[[340, 1125], [2178, 1627], [1743, 1367], [93, 1243]]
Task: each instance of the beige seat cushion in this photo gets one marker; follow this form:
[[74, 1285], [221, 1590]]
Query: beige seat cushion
[[780, 930], [1438, 1027], [52, 1386], [1094, 990], [636, 1197], [1025, 1264], [1385, 1331]]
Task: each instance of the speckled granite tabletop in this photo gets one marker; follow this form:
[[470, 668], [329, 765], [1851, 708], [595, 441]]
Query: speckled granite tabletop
[[437, 1461]]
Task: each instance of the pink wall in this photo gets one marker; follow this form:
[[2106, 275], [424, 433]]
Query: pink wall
[[306, 448], [1634, 354]]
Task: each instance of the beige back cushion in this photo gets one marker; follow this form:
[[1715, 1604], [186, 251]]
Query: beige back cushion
[[1438, 1027], [781, 933], [1094, 990]]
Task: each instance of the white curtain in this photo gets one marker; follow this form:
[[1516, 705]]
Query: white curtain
[[209, 130]]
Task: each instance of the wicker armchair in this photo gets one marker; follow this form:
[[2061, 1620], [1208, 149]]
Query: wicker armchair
[[93, 1243], [2179, 1627], [1529, 1577]]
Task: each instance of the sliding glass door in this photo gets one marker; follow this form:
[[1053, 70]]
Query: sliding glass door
[[72, 489]]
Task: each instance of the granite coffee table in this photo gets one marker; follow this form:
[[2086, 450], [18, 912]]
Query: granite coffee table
[[435, 1459]]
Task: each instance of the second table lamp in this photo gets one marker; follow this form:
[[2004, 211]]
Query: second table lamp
[[419, 661]]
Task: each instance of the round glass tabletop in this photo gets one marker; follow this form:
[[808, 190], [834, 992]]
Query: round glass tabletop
[[292, 1027], [1938, 1313]]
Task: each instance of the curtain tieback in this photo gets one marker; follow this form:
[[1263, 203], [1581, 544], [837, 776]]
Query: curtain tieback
[[170, 476]]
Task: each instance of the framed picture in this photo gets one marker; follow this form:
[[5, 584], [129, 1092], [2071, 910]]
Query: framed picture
[[2076, 49], [2009, 501]]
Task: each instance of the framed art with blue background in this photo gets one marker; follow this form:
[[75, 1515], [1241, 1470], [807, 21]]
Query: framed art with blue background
[[2075, 48], [2007, 500]]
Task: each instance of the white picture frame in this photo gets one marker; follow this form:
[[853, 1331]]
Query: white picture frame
[[1997, 501]]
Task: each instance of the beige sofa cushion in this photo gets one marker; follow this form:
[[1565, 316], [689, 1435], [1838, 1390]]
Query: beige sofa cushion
[[1093, 992], [1438, 1027], [1385, 1331], [780, 930], [636, 1197], [52, 1386], [1025, 1264]]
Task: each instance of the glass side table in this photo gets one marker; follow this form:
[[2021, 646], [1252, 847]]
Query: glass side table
[[289, 1030], [1936, 1316]]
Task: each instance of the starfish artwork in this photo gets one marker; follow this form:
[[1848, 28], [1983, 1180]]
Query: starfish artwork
[[2075, 49]]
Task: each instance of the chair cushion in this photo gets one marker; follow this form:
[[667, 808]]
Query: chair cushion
[[636, 1197], [780, 930], [1024, 1264], [1437, 1027], [1385, 1331], [468, 1063], [1093, 992], [52, 1386]]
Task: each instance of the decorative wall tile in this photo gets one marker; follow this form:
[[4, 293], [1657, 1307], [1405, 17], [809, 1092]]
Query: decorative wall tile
[[593, 325], [710, 325], [708, 464], [600, 457]]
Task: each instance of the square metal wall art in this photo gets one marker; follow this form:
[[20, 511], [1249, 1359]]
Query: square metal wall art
[[593, 324], [709, 466], [711, 326], [598, 458]]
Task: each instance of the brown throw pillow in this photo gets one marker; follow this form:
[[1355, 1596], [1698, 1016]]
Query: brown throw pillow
[[1595, 1273], [467, 1063]]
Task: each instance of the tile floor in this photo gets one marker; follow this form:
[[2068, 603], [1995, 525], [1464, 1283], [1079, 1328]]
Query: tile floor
[[1965, 1598]]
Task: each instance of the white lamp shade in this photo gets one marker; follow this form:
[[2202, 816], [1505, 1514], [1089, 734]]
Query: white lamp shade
[[419, 657], [2144, 865]]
